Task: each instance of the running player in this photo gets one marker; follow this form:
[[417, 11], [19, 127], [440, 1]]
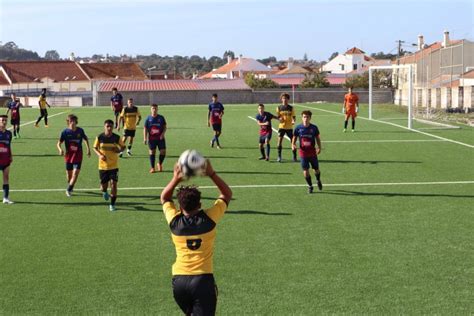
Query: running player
[[116, 103], [129, 118], [286, 115], [107, 146], [308, 135], [72, 136], [193, 231], [214, 118], [14, 109], [350, 108], [154, 131], [43, 110], [264, 120], [5, 156]]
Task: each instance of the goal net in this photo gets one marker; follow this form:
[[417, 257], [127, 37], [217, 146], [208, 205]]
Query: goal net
[[410, 108]]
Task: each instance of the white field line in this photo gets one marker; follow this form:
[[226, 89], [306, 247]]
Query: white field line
[[371, 141], [31, 122], [396, 125], [269, 186]]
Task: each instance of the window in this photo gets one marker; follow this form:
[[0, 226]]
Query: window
[[354, 67], [342, 67]]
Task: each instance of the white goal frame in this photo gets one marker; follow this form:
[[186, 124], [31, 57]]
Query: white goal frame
[[410, 89]]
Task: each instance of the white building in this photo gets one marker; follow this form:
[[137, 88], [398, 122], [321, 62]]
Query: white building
[[351, 60]]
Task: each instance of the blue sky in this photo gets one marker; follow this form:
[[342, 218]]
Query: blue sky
[[209, 27]]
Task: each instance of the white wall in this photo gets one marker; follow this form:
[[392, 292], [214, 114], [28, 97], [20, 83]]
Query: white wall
[[334, 65]]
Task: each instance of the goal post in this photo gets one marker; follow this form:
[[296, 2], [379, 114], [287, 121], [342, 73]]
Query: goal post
[[409, 69]]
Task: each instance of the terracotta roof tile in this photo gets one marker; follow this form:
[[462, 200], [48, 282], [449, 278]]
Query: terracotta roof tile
[[174, 85], [27, 71], [124, 71], [354, 50]]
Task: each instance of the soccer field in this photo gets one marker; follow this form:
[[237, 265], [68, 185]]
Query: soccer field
[[392, 232]]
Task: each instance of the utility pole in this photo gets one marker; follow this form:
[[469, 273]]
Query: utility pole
[[399, 53]]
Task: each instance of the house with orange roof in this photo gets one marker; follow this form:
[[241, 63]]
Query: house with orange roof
[[238, 68], [352, 59]]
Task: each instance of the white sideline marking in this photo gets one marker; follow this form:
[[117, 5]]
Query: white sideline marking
[[30, 122], [245, 186], [399, 126], [370, 141]]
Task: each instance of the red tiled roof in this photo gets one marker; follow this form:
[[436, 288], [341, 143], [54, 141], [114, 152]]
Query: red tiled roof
[[124, 71], [28, 71], [288, 81], [413, 58], [335, 81], [469, 74], [354, 50], [3, 80], [174, 85], [246, 65]]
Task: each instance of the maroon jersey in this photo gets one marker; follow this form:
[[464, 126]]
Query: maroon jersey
[[5, 148], [307, 138], [216, 110]]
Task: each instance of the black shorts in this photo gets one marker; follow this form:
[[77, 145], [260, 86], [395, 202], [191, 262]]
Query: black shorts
[[196, 294], [43, 112], [129, 133], [217, 127], [309, 161], [107, 175], [3, 167], [288, 132], [264, 138], [117, 112], [72, 166], [160, 143], [15, 121]]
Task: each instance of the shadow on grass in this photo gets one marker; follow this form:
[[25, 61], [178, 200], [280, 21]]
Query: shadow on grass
[[38, 155], [252, 212], [252, 172], [374, 162], [121, 206], [386, 194]]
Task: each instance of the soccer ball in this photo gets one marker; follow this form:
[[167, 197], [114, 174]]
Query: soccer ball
[[192, 163]]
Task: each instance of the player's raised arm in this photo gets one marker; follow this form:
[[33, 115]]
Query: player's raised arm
[[224, 189], [167, 194]]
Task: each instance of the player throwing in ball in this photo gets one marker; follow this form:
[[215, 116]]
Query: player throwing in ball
[[308, 136], [154, 131], [350, 108], [193, 231], [286, 115]]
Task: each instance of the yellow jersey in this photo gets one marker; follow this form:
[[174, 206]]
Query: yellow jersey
[[131, 115], [110, 147], [42, 102], [194, 237], [287, 112]]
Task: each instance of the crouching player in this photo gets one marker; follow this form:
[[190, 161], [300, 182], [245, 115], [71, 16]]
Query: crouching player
[[308, 135], [264, 120], [154, 134], [5, 156], [72, 136]]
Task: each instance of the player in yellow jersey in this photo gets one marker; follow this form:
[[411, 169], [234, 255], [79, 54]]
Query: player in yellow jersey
[[129, 119], [286, 115], [193, 231], [108, 146], [43, 111]]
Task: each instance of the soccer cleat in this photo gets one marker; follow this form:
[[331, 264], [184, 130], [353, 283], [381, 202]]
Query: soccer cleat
[[7, 201], [212, 143], [218, 147], [121, 154], [279, 159], [344, 130], [68, 193], [46, 125], [36, 125], [112, 208], [152, 170], [105, 195], [295, 159], [14, 137], [159, 167], [267, 159], [310, 189], [129, 152], [320, 185], [353, 131], [262, 158]]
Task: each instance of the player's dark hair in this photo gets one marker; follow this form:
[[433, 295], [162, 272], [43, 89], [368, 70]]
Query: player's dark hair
[[154, 105], [13, 93], [261, 104], [4, 116], [286, 95], [114, 89], [214, 95], [189, 198], [72, 117], [130, 99], [109, 122], [307, 112]]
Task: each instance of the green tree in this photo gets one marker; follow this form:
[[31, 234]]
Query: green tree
[[256, 83], [315, 80], [333, 55], [51, 55], [228, 53]]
